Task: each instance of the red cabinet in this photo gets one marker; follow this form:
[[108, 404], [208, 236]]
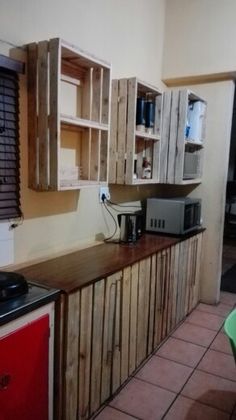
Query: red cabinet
[[24, 370]]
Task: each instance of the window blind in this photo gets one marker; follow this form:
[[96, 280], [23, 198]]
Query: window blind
[[9, 145]]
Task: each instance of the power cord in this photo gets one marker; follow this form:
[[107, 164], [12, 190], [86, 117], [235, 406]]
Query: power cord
[[121, 205], [113, 218]]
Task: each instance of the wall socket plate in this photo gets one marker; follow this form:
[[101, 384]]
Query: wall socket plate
[[106, 192]]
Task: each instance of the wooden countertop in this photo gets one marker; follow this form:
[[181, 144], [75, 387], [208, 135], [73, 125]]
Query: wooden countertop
[[73, 271], [80, 268]]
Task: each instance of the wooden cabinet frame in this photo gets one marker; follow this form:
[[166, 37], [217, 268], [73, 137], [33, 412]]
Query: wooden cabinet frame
[[68, 148]]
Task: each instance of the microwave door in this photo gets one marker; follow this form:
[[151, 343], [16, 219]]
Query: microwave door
[[188, 217]]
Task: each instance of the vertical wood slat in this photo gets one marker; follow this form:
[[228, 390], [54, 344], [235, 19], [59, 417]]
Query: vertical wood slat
[[165, 292], [125, 321], [158, 299], [106, 96], [85, 351], [96, 104], [113, 132], [174, 122], [133, 317], [103, 173], [121, 136], [72, 356], [143, 309], [152, 304], [165, 136], [96, 359], [94, 156], [189, 270], [174, 283], [156, 160], [32, 115], [87, 96], [116, 368], [180, 146], [196, 288], [108, 335], [43, 114], [180, 281], [54, 100], [131, 125]]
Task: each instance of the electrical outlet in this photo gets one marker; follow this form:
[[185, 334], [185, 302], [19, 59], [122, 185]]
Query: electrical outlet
[[104, 191]]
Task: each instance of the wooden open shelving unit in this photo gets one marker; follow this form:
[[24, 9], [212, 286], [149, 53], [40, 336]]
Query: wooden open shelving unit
[[129, 147], [69, 115], [181, 156]]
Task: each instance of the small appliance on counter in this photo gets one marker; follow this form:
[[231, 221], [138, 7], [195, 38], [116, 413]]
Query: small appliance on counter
[[131, 226], [177, 216]]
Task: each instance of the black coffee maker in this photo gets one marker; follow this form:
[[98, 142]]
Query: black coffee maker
[[131, 226]]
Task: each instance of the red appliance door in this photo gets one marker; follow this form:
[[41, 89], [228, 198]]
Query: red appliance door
[[24, 372]]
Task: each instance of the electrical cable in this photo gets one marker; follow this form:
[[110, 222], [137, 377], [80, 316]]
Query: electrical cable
[[116, 225], [118, 211], [123, 205]]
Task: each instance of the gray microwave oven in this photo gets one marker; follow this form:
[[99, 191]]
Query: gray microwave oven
[[173, 215]]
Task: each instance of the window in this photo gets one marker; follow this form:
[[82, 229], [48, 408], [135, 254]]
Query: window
[[9, 138]]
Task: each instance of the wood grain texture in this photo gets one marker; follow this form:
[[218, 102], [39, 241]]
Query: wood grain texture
[[125, 323], [143, 309], [85, 352], [133, 317], [165, 136], [43, 112], [32, 115], [54, 100], [72, 355], [96, 358], [131, 125], [121, 133], [113, 132]]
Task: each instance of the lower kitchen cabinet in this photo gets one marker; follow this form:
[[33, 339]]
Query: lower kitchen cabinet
[[26, 366], [112, 325]]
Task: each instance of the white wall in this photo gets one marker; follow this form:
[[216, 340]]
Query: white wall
[[199, 37], [127, 33]]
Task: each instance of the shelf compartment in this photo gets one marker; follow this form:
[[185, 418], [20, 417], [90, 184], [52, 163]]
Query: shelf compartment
[[69, 91], [125, 138], [83, 157], [174, 141]]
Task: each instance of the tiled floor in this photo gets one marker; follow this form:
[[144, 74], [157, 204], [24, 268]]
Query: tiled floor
[[192, 375]]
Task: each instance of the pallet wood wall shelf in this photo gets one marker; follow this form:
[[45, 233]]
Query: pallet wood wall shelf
[[68, 113], [131, 149], [183, 137]]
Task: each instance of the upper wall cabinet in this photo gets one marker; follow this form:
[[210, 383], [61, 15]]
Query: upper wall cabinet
[[183, 137], [135, 132], [68, 112]]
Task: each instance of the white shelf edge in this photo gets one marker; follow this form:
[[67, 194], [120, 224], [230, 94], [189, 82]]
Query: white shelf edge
[[80, 122], [147, 136]]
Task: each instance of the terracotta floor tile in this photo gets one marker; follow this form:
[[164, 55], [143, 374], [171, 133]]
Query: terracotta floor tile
[[203, 319], [143, 400], [186, 409], [165, 373], [194, 334], [228, 298], [211, 390], [221, 309], [221, 343], [180, 351], [110, 413], [220, 364]]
